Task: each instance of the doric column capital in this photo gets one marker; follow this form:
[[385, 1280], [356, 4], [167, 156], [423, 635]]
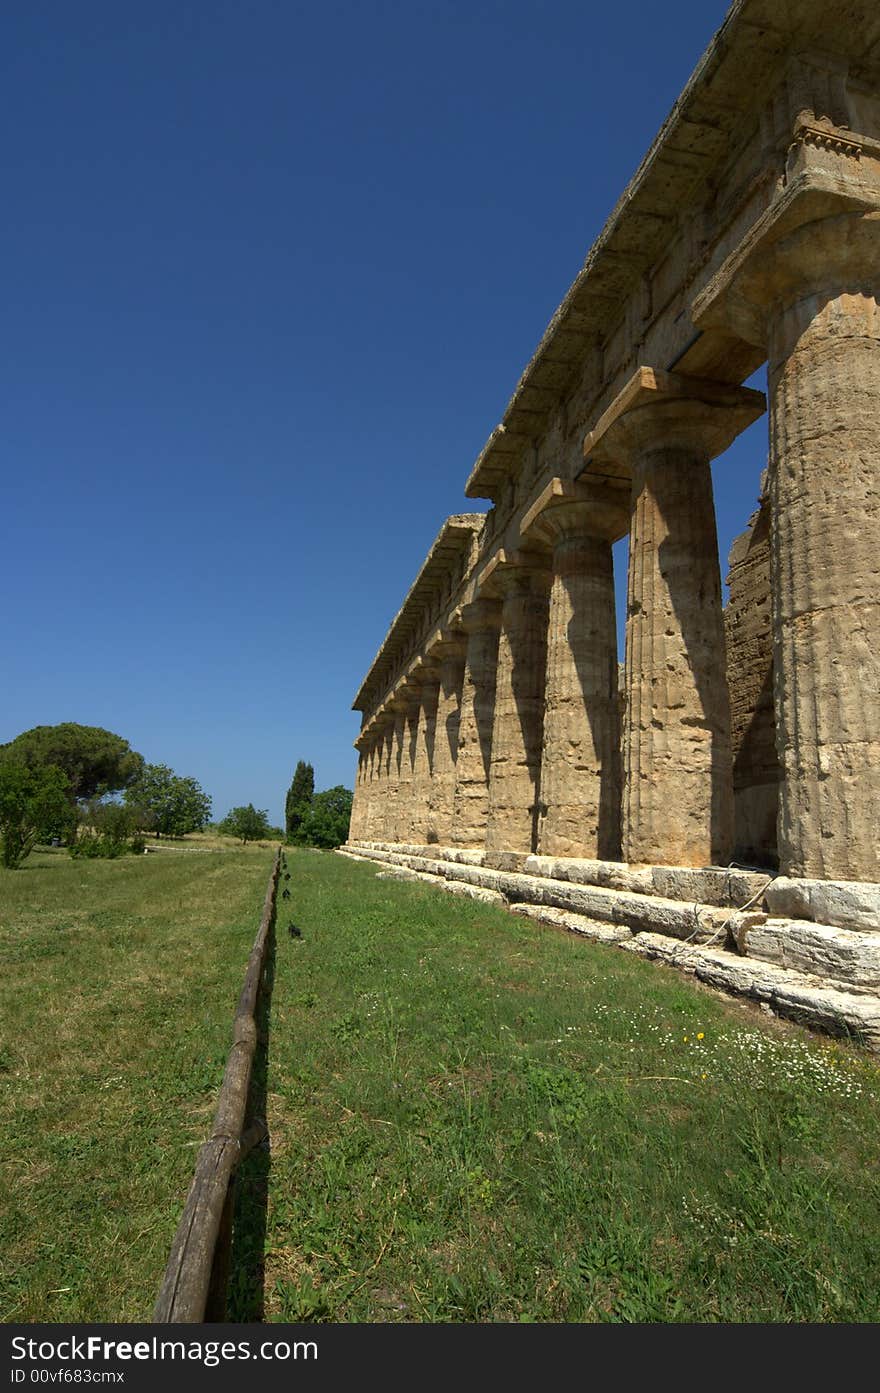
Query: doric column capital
[[449, 648], [480, 615], [659, 410], [810, 243], [424, 673], [448, 644], [526, 572], [576, 508]]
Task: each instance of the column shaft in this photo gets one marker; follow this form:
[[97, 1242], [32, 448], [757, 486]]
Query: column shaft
[[482, 621], [678, 804], [580, 772], [407, 751], [423, 762], [452, 656], [515, 772], [825, 538]]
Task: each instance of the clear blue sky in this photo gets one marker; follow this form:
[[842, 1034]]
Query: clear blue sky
[[272, 272]]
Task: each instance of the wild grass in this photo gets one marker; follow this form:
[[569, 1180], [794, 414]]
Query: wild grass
[[118, 982], [477, 1119], [472, 1118]]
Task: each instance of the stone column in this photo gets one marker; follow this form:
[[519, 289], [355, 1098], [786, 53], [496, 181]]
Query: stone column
[[357, 803], [407, 734], [369, 800], [427, 678], [397, 713], [814, 292], [481, 621], [523, 583], [580, 768], [450, 653], [678, 791], [824, 378], [383, 805]]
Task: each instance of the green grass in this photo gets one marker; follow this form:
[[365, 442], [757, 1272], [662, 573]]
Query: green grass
[[477, 1119], [118, 982], [472, 1117]]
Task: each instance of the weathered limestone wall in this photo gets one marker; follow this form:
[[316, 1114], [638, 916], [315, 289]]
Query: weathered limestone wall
[[749, 642]]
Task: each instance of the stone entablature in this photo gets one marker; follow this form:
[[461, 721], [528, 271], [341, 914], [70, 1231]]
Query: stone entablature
[[750, 233]]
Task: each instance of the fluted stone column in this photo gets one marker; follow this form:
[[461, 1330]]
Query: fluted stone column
[[407, 737], [370, 777], [427, 677], [816, 291], [357, 803], [397, 708], [481, 621], [383, 805], [678, 789], [580, 768], [450, 654], [523, 583]]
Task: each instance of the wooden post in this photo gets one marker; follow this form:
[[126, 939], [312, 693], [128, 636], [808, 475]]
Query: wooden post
[[198, 1269]]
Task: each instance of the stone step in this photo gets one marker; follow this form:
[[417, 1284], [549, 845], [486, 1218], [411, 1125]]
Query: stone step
[[794, 995], [848, 959], [719, 886]]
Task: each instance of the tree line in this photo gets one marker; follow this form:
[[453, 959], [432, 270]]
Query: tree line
[[85, 788]]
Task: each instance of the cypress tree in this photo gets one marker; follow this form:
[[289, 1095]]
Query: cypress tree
[[299, 799]]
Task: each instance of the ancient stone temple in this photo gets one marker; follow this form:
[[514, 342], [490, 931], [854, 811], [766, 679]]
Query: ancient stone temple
[[723, 787]]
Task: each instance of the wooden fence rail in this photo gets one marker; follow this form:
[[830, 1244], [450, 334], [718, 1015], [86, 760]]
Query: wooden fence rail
[[194, 1286]]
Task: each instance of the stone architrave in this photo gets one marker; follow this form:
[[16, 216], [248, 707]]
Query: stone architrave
[[450, 652], [481, 621], [580, 765], [426, 676], [807, 284], [678, 795], [522, 581]]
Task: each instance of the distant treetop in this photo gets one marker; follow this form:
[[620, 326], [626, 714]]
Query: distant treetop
[[95, 761]]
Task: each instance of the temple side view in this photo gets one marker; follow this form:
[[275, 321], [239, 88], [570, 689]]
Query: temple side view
[[723, 787]]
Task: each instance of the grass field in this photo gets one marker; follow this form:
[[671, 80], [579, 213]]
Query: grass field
[[472, 1118], [119, 981], [476, 1119]]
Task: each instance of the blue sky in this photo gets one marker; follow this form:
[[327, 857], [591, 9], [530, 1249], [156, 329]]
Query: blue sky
[[272, 272]]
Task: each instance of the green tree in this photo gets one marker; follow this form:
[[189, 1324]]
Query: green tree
[[248, 824], [107, 828], [326, 822], [299, 799], [34, 805], [95, 761], [166, 803]]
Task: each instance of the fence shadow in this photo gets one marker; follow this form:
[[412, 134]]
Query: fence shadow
[[245, 1295]]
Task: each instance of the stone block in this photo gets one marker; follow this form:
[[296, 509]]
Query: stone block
[[848, 904]]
